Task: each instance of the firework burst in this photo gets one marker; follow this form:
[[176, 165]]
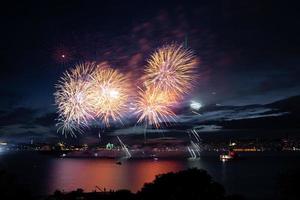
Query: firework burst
[[98, 92], [111, 92], [171, 69], [73, 98], [154, 107], [69, 127]]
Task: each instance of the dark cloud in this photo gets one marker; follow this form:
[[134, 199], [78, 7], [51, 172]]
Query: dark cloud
[[21, 123], [47, 120], [221, 118], [9, 99], [19, 115], [27, 136]]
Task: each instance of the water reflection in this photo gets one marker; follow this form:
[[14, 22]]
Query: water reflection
[[147, 170], [43, 174], [70, 174]]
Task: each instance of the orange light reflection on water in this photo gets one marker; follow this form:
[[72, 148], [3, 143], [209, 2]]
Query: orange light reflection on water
[[70, 174]]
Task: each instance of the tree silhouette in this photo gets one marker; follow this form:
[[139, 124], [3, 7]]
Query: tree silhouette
[[10, 190], [289, 185], [190, 184]]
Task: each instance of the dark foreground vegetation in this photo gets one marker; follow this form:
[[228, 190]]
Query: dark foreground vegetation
[[192, 184]]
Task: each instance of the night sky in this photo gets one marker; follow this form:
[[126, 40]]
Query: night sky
[[249, 51]]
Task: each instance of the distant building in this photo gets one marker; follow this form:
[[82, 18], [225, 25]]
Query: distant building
[[109, 146]]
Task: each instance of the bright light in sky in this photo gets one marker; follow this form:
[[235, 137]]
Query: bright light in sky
[[195, 105], [110, 92], [114, 94]]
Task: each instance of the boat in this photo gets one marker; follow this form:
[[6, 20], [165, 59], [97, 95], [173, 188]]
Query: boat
[[119, 163], [231, 155]]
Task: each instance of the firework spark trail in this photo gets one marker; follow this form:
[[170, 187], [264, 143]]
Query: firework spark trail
[[196, 135], [172, 69], [196, 147], [154, 107], [125, 149], [196, 113], [69, 128], [192, 153], [111, 92]]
